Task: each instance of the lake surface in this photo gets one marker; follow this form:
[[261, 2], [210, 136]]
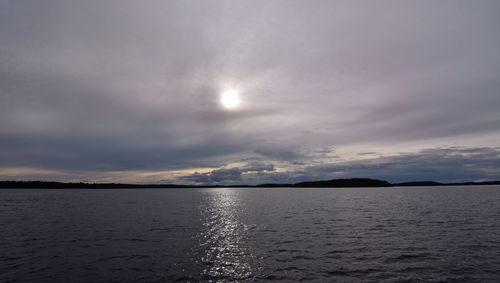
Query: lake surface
[[435, 234]]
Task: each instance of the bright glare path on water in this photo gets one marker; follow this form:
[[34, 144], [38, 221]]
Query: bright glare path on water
[[224, 236]]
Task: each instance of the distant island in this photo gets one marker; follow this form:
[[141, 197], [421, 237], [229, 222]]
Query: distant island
[[335, 183]]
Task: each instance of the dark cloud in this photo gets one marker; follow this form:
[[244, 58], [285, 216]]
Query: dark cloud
[[103, 86], [234, 175], [452, 164]]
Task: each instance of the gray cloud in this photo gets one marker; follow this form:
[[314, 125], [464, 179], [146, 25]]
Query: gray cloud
[[454, 164], [233, 175], [101, 86]]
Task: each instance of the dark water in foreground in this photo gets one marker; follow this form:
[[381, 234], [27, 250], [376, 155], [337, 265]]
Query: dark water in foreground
[[257, 234]]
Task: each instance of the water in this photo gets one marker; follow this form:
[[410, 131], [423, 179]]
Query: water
[[435, 234]]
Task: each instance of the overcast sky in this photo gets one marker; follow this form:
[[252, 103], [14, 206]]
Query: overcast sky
[[129, 91]]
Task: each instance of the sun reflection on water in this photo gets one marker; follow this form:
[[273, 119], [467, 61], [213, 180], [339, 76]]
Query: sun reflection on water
[[225, 255]]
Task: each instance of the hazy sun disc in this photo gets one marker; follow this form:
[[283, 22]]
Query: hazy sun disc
[[230, 99]]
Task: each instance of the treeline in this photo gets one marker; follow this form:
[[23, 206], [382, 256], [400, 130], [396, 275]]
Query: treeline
[[81, 185], [432, 183], [336, 183]]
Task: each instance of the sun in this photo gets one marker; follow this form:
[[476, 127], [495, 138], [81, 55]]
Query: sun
[[230, 99]]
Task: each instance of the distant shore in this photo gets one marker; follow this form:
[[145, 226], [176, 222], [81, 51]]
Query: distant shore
[[336, 183]]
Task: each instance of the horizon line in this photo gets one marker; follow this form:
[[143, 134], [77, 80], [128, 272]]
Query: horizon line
[[344, 182]]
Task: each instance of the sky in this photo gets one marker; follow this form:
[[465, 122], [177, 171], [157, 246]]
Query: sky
[[130, 91]]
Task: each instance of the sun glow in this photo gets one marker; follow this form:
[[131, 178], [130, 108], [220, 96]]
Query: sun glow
[[230, 99]]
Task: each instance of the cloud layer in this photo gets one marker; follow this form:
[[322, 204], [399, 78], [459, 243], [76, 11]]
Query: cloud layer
[[102, 90], [452, 164]]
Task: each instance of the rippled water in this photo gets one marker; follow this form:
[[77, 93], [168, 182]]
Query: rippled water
[[255, 234]]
